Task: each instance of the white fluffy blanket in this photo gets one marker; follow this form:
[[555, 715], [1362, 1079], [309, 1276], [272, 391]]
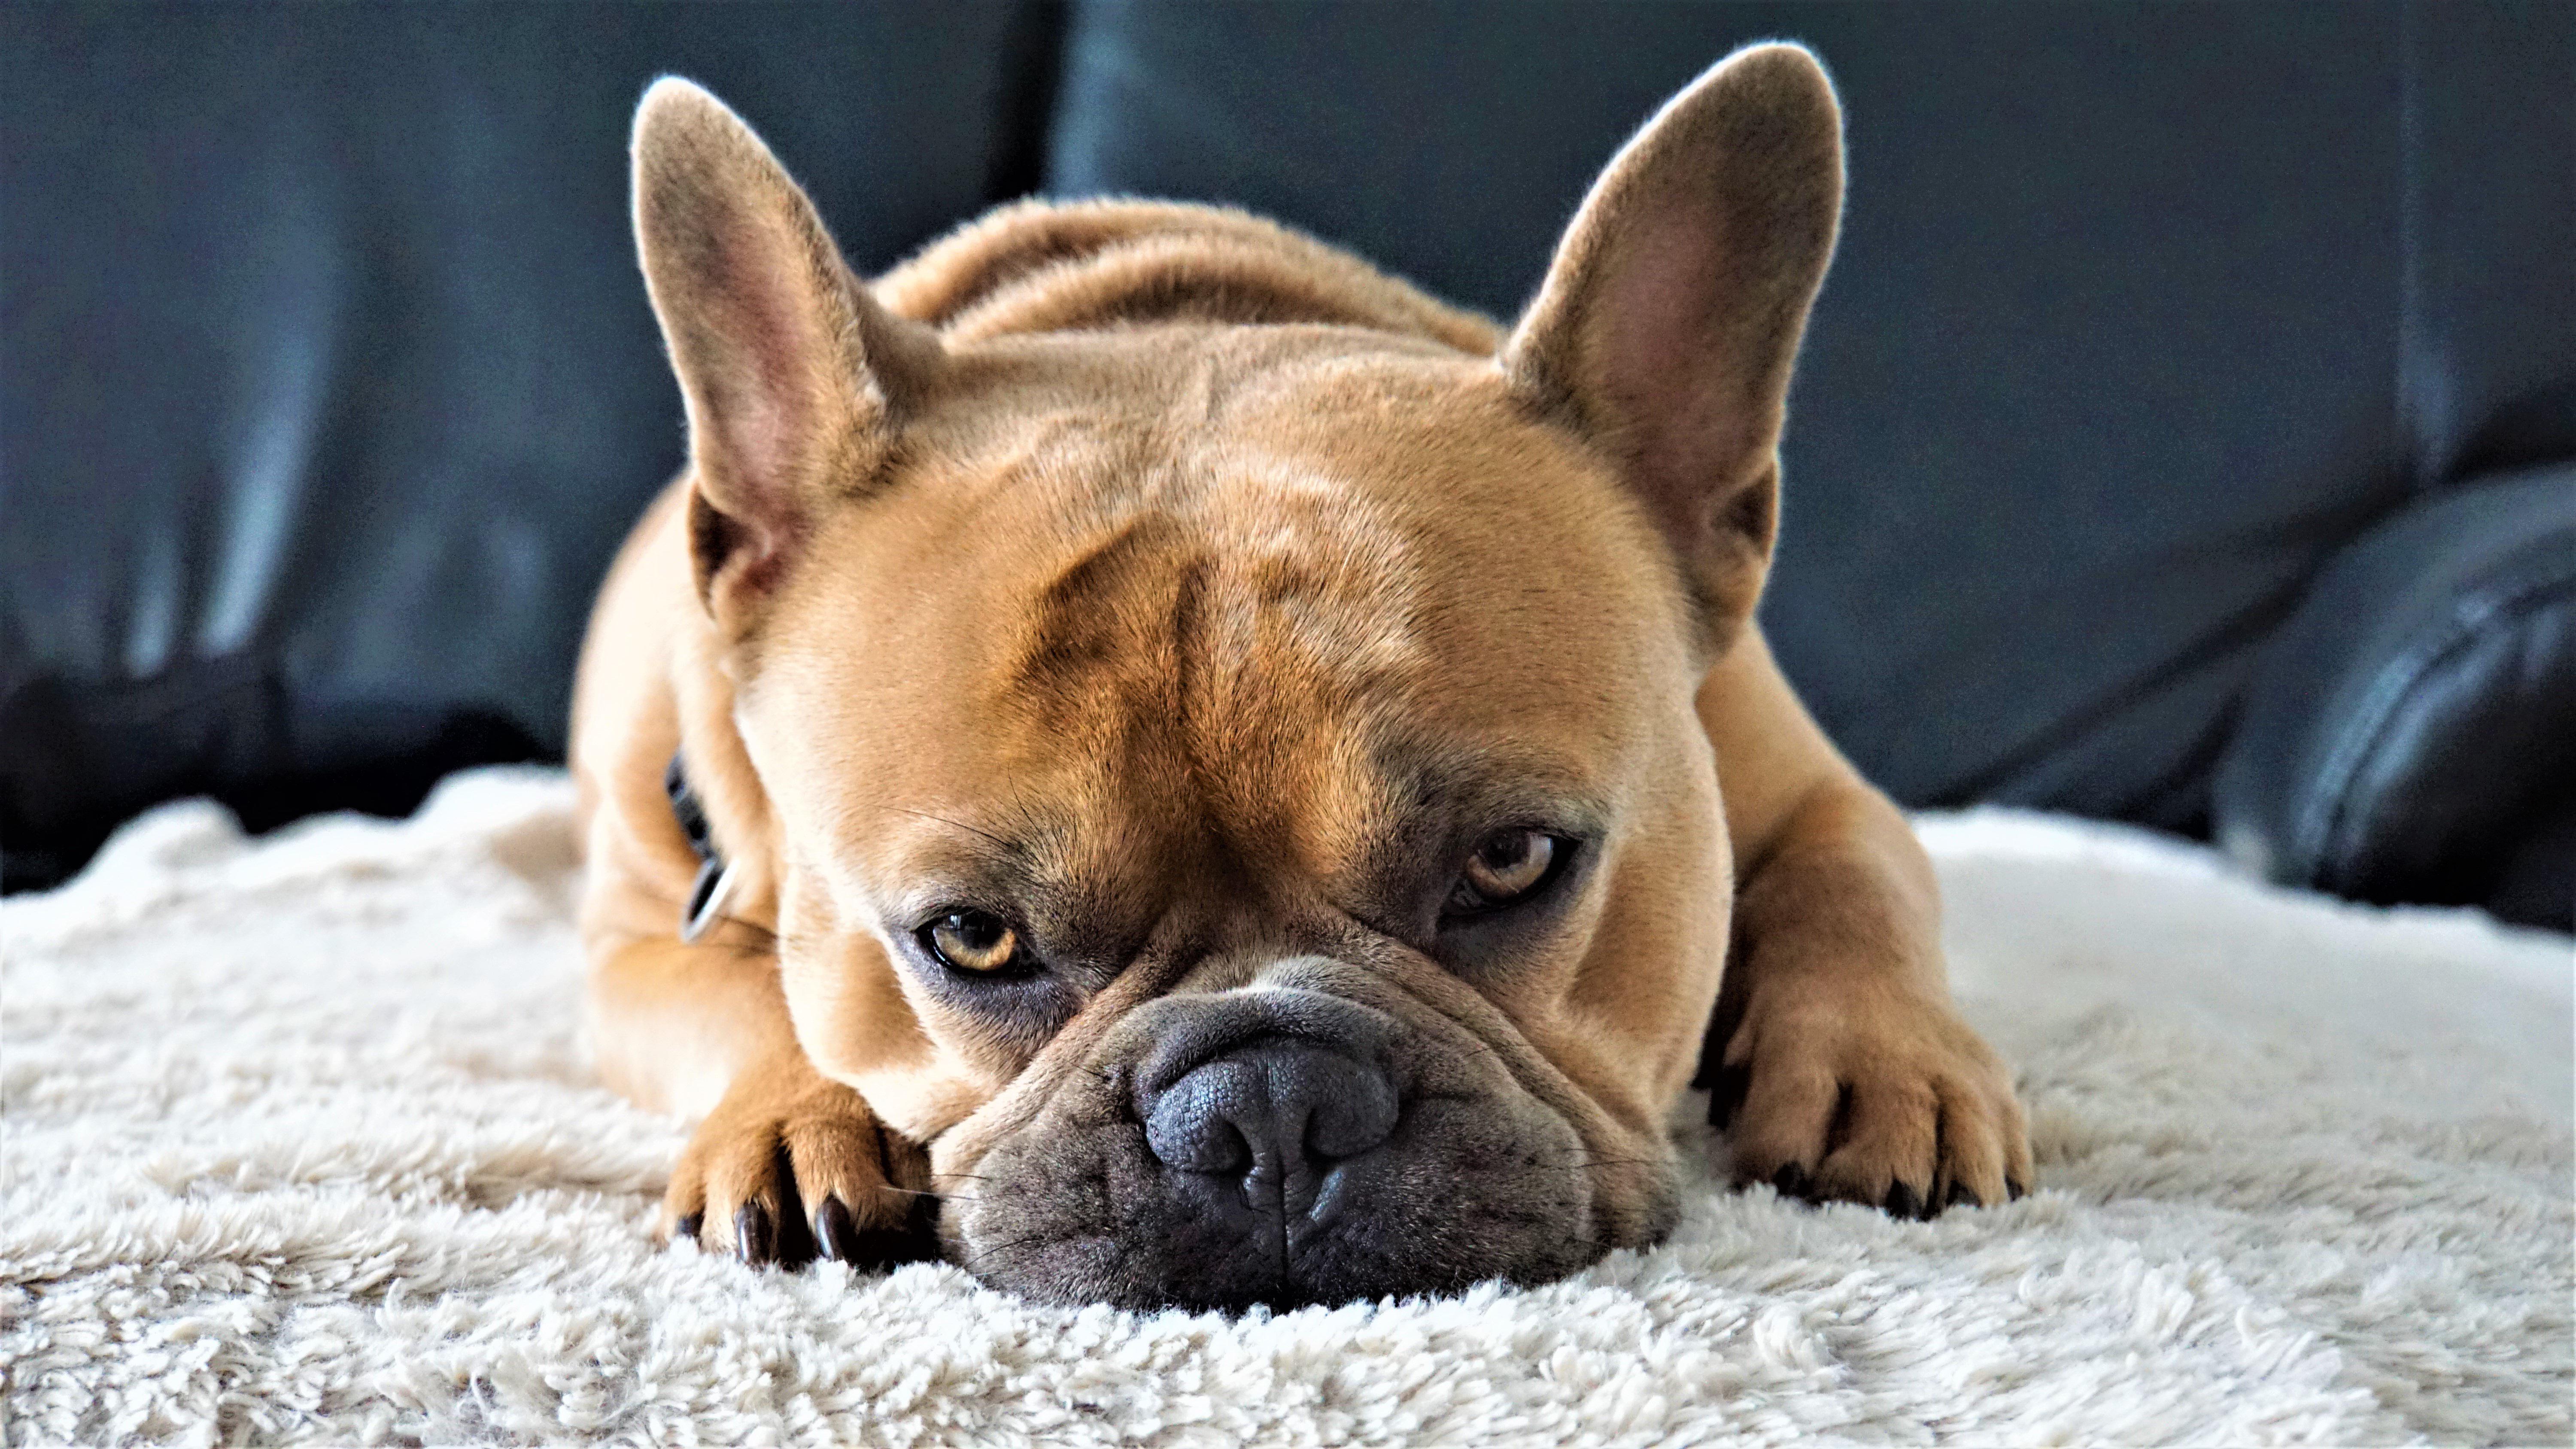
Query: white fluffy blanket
[[300, 1147]]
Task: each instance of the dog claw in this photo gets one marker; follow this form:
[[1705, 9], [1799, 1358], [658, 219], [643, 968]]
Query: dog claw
[[1790, 1181], [1902, 1203], [915, 1240], [688, 1225], [754, 1235], [837, 1234], [1959, 1193], [2014, 1191]]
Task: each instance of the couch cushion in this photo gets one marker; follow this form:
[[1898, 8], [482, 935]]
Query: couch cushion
[[2490, 299], [326, 377], [2106, 364], [2411, 735]]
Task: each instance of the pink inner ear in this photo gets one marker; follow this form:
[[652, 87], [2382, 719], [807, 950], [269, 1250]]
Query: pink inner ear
[[761, 355], [752, 447], [1662, 352]]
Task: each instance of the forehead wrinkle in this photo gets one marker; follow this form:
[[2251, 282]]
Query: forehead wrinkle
[[1219, 648], [1301, 643], [1094, 611]]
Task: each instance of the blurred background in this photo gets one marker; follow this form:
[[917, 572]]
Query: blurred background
[[2186, 435]]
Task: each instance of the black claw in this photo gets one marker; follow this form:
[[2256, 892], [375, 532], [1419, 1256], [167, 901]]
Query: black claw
[[1790, 1181], [1959, 1193], [1902, 1203], [688, 1225], [834, 1231], [754, 1235], [790, 1233], [2014, 1191], [876, 1249]]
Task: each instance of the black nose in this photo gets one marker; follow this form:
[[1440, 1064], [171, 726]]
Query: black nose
[[1276, 1113]]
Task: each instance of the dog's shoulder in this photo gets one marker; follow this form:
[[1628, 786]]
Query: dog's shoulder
[[1041, 266]]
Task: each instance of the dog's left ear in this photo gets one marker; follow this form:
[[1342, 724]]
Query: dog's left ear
[[1669, 319]]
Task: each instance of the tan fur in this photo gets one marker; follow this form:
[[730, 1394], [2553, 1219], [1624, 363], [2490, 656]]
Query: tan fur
[[1145, 537]]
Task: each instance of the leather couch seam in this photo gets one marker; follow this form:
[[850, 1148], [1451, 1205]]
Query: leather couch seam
[[2322, 835]]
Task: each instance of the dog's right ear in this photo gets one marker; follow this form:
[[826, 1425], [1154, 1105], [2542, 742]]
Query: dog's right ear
[[794, 376]]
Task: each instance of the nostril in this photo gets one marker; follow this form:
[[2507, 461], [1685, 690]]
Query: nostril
[[1354, 1110], [1196, 1122], [1270, 1108]]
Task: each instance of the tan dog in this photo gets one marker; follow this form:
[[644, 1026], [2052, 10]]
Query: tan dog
[[1236, 781]]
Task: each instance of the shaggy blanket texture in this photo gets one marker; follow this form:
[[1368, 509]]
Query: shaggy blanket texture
[[300, 1147]]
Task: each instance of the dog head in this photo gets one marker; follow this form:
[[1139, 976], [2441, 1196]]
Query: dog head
[[1231, 771]]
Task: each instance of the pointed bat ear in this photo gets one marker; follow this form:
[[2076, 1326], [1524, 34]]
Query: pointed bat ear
[[1671, 314], [795, 378]]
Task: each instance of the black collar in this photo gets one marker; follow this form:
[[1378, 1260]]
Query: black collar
[[706, 897]]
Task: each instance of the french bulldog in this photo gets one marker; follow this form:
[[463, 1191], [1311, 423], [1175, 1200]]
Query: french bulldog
[[1164, 766]]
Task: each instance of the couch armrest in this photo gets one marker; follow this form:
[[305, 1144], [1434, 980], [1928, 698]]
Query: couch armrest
[[2410, 734]]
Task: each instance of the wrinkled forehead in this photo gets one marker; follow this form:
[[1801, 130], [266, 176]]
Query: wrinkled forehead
[[1275, 639], [1252, 638]]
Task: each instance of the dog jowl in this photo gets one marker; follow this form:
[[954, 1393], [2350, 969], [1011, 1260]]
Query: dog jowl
[[1217, 778]]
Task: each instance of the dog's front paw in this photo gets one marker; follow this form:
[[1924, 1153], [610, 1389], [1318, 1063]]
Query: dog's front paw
[[791, 1166], [1886, 1099]]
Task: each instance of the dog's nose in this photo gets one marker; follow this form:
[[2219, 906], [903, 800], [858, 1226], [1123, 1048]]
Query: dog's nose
[[1276, 1113]]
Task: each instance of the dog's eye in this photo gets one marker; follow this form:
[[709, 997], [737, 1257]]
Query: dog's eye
[[976, 942], [1507, 865]]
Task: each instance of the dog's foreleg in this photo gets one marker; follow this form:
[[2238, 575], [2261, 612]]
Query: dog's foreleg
[[1836, 1060], [673, 1024]]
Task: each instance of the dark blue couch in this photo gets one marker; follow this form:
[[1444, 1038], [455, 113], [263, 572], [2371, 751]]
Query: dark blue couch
[[2184, 437]]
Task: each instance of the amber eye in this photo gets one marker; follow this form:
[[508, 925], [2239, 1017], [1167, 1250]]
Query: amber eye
[[972, 941], [1507, 866]]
